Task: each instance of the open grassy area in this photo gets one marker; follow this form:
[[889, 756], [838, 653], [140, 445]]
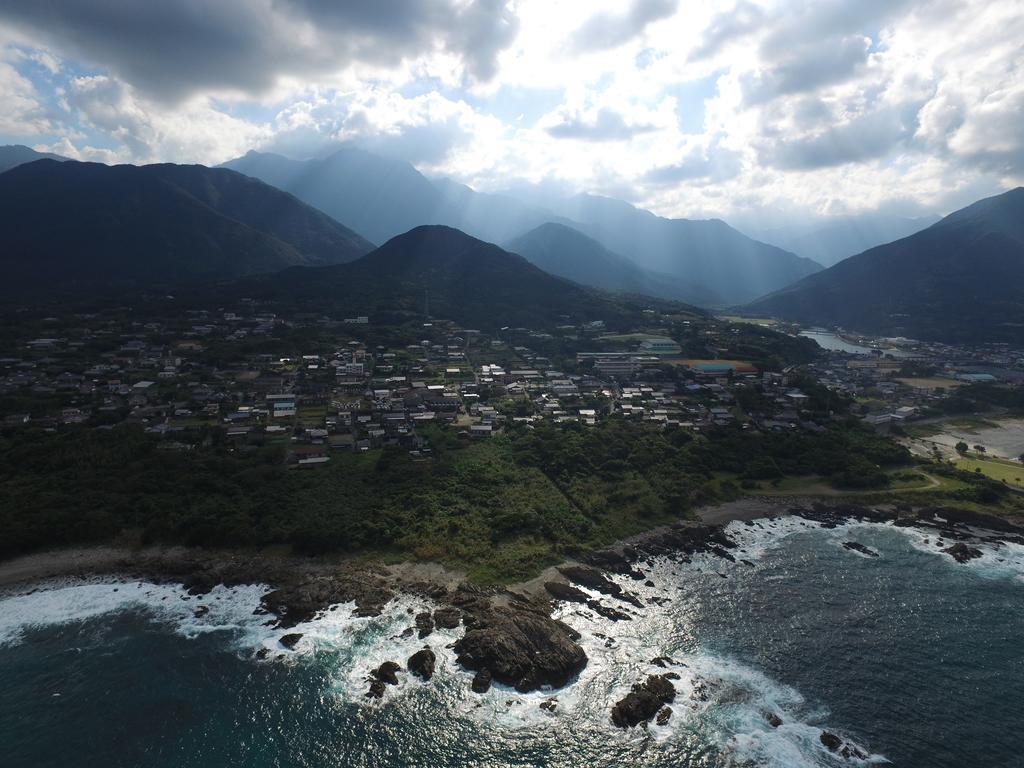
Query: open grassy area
[[768, 322], [1011, 472]]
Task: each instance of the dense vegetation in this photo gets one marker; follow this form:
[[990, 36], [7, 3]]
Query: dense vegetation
[[501, 509]]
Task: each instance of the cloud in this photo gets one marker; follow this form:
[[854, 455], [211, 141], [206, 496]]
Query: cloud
[[172, 49], [610, 30], [807, 67], [146, 132], [744, 19], [703, 166], [23, 113], [604, 125], [864, 138]]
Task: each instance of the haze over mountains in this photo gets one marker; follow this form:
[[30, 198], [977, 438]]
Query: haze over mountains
[[442, 272], [380, 198], [962, 279], [68, 223], [830, 243], [88, 225], [568, 253]]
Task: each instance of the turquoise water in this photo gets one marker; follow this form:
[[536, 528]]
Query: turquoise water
[[910, 655]]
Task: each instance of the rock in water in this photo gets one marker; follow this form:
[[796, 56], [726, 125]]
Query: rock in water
[[386, 672], [962, 553], [663, 715], [566, 592], [289, 641], [773, 720], [855, 546], [421, 663], [643, 702], [521, 648], [424, 623], [841, 747], [481, 681]]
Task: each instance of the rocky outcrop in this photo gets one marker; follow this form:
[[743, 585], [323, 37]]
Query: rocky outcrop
[[387, 672], [290, 640], [481, 681], [448, 617], [642, 703], [855, 546], [962, 553], [424, 624], [298, 601], [591, 578], [521, 648], [842, 747], [422, 663], [773, 719], [566, 592]]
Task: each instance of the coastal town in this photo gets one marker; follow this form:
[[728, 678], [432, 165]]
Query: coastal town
[[317, 386]]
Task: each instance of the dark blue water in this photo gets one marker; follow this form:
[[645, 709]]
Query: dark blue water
[[910, 655]]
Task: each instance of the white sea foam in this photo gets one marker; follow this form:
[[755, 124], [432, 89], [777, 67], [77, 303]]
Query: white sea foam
[[229, 608]]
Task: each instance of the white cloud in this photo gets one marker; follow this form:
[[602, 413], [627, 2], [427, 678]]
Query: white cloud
[[701, 108]]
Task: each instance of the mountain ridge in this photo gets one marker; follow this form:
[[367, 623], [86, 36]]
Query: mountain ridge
[[88, 224], [961, 279]]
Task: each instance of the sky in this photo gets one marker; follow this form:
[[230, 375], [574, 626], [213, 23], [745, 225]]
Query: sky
[[764, 111]]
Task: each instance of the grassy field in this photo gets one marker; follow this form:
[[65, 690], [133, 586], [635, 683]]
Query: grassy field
[[1011, 472], [768, 322]]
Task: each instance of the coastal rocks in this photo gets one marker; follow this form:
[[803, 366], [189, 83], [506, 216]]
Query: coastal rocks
[[521, 648], [447, 617], [841, 747], [664, 714], [290, 640], [773, 719], [200, 611], [962, 553], [424, 624], [607, 612], [566, 592], [645, 700], [591, 578], [298, 601], [549, 705], [481, 681], [387, 672], [854, 546], [422, 663]]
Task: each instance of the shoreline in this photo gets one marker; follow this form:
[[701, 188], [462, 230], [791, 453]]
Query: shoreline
[[371, 584], [113, 559]]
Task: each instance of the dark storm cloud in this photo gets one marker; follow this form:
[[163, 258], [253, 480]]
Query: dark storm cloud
[[171, 48], [608, 30], [607, 125]]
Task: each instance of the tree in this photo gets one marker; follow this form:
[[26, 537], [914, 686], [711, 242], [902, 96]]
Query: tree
[[961, 447]]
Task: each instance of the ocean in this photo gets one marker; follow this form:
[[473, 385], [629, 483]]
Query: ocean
[[917, 659]]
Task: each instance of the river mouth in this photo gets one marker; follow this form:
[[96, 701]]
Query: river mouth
[[888, 652]]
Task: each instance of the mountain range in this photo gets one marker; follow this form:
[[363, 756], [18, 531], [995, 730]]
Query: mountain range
[[567, 252], [961, 279], [13, 155], [381, 197], [87, 224], [442, 272]]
